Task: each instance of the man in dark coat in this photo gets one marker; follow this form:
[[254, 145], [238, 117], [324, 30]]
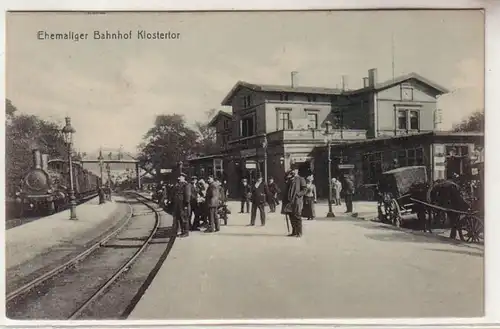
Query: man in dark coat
[[246, 193], [348, 192], [181, 203], [260, 194], [212, 203], [292, 201], [194, 203], [274, 191]]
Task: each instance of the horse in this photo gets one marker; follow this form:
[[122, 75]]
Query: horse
[[448, 194]]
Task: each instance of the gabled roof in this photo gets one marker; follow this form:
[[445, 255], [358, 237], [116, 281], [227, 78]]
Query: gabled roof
[[279, 89], [398, 80], [218, 115], [331, 91]]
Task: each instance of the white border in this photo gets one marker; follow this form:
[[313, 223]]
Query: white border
[[492, 104]]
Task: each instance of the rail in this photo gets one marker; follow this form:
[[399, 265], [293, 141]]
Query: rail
[[61, 268], [125, 266]]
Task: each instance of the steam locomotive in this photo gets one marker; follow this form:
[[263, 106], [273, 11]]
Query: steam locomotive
[[45, 188]]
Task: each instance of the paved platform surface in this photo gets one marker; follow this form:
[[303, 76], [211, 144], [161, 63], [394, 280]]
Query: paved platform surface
[[32, 239], [340, 268]]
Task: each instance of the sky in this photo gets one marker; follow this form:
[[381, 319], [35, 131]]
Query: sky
[[113, 89]]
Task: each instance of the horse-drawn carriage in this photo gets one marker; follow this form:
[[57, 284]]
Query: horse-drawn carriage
[[406, 192]]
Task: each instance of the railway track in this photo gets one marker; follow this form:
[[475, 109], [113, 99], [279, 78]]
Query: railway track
[[94, 283]]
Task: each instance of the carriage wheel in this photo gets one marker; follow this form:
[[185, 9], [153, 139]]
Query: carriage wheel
[[385, 215], [395, 213], [471, 229]]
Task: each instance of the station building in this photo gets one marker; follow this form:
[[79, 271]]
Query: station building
[[271, 127]]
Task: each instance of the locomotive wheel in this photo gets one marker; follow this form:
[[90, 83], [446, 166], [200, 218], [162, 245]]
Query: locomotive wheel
[[395, 213], [471, 229]]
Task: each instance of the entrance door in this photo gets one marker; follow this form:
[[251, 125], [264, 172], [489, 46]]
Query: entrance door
[[453, 166], [304, 168]]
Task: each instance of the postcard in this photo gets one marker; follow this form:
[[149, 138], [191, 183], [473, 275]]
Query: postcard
[[245, 165]]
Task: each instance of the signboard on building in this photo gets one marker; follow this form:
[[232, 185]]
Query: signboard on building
[[299, 159], [251, 165], [346, 166], [248, 153], [439, 150], [165, 171]]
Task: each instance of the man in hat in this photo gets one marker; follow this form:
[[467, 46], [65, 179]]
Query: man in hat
[[348, 193], [194, 203], [293, 200], [182, 209], [274, 191], [212, 203], [246, 193], [260, 194]]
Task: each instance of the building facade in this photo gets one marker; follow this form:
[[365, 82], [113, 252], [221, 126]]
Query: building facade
[[271, 127]]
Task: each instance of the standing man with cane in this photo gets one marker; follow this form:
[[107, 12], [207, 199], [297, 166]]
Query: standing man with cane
[[293, 201]]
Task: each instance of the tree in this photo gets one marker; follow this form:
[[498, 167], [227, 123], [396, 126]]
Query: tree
[[206, 135], [475, 122], [167, 143], [10, 109], [24, 133]]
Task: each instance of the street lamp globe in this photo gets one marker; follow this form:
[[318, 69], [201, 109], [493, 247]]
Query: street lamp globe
[[68, 131]]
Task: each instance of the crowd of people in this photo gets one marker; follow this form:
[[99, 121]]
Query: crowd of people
[[200, 204]]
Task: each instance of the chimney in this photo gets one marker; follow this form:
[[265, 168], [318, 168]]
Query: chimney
[[37, 159], [372, 77], [366, 83], [294, 78], [45, 161]]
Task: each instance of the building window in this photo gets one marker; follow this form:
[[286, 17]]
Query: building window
[[283, 97], [247, 101], [402, 119], [284, 121], [226, 124], [411, 157], [311, 98], [313, 120], [372, 167], [247, 127], [225, 139], [414, 120]]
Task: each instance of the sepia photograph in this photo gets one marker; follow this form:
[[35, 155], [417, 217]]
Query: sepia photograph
[[244, 165]]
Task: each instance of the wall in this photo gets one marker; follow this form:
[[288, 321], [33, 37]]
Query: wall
[[297, 110], [355, 110], [389, 100], [221, 131], [239, 110]]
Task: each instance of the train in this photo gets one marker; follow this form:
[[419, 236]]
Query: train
[[44, 189]]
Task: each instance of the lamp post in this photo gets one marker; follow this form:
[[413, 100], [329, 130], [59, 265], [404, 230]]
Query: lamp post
[[264, 145], [68, 132], [101, 165], [330, 213]]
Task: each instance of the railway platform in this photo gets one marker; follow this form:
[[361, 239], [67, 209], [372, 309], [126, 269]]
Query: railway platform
[[340, 268], [56, 232]]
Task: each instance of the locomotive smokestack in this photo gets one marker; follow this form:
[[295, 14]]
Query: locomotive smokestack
[[37, 159], [45, 161]]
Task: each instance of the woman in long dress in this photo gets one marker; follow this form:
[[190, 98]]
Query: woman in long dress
[[308, 210]]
